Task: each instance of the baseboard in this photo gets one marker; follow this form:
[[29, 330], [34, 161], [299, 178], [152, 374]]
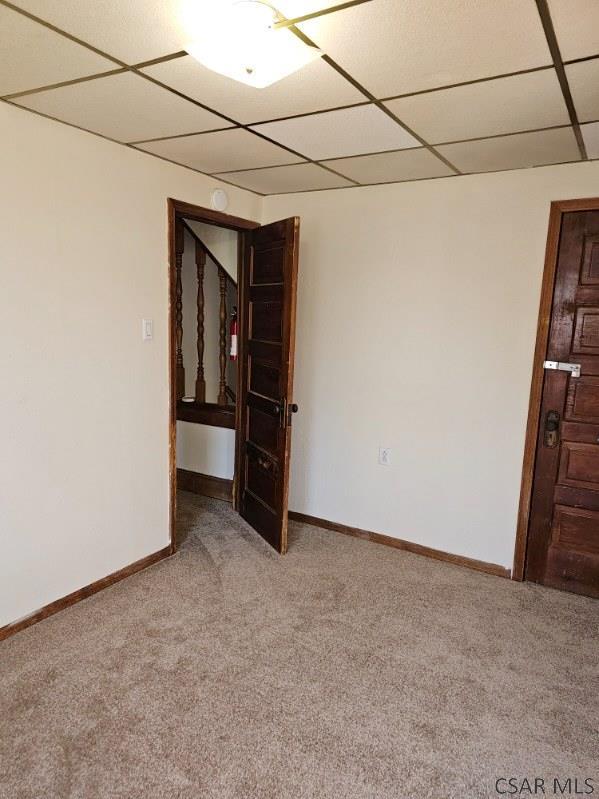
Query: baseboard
[[83, 593], [205, 484], [407, 546]]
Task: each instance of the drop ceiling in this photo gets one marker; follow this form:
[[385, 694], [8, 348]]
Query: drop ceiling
[[407, 89]]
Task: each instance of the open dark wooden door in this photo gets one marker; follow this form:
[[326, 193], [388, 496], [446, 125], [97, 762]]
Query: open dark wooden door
[[265, 395], [563, 543]]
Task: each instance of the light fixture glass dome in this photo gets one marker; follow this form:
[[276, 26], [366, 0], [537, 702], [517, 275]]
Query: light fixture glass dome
[[238, 40]]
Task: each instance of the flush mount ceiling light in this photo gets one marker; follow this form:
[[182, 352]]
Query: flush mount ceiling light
[[239, 39]]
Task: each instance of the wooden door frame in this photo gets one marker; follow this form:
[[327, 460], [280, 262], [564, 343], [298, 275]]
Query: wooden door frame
[[557, 211], [175, 210]]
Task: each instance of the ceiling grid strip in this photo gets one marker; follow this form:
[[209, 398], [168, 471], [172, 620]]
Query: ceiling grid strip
[[122, 67], [136, 71], [333, 64], [551, 37], [288, 23]]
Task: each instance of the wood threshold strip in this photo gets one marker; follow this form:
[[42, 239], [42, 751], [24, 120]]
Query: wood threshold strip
[[206, 485], [399, 543], [83, 593]]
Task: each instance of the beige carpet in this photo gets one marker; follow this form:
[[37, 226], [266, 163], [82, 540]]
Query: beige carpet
[[346, 670]]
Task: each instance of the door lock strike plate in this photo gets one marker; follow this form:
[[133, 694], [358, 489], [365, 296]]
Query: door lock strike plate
[[573, 368]]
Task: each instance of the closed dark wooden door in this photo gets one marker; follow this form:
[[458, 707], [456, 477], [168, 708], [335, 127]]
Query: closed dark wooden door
[[563, 542], [266, 392]]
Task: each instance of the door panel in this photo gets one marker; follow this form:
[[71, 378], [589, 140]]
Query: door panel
[[268, 332], [586, 332], [263, 428], [579, 465], [563, 543], [264, 379], [266, 321], [576, 529], [262, 474], [590, 262], [268, 268], [261, 517], [582, 404]]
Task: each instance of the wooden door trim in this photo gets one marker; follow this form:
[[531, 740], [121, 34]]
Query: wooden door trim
[[177, 209], [557, 211], [211, 217]]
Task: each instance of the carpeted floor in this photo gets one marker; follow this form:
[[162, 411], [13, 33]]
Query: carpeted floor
[[345, 670]]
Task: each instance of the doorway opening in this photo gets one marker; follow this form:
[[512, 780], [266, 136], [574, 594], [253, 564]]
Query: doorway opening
[[557, 541], [232, 292], [206, 297]]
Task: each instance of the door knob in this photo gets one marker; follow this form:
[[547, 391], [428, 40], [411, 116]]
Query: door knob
[[291, 409], [284, 410]]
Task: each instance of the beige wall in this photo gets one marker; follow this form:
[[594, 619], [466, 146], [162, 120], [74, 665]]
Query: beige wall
[[222, 243], [416, 321], [206, 449], [417, 314], [84, 401]]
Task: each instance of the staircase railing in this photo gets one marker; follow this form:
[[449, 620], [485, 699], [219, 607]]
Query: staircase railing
[[202, 252]]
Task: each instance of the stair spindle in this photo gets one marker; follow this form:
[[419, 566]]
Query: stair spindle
[[200, 394], [222, 389], [180, 369]]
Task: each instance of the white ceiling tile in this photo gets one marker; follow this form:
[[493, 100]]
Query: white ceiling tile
[[391, 47], [505, 105], [394, 47], [350, 131], [584, 85], [32, 56], [299, 177], [133, 31], [576, 24], [314, 88], [390, 167], [590, 135], [221, 152], [297, 8], [124, 107], [513, 152]]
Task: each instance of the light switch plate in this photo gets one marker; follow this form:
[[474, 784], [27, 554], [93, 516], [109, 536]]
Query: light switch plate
[[147, 329]]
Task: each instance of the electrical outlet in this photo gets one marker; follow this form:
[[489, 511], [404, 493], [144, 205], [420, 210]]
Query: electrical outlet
[[384, 456]]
